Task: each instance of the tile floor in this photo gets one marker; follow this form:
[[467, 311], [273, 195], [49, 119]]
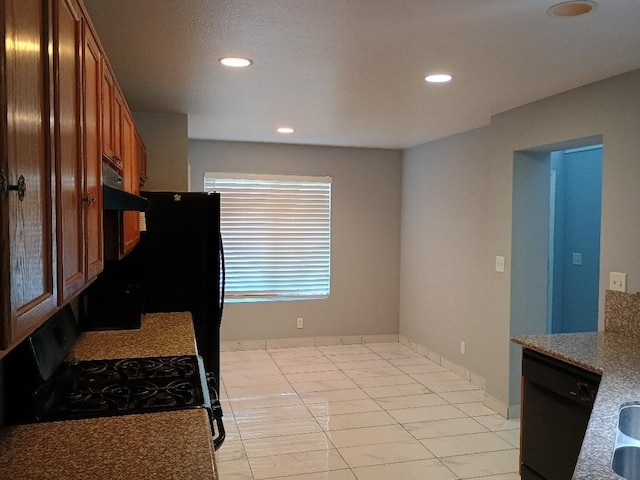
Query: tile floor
[[374, 411]]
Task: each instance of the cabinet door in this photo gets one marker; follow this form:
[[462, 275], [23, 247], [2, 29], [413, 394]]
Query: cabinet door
[[92, 153], [141, 155], [67, 48], [28, 292], [118, 112], [108, 119], [131, 223]]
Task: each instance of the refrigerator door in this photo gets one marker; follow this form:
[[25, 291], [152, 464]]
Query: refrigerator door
[[179, 255]]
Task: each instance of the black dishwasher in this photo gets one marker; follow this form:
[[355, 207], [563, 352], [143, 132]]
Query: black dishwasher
[[557, 403]]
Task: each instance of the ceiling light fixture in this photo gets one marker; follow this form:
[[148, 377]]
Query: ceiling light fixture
[[285, 130], [438, 78], [237, 62], [573, 8]]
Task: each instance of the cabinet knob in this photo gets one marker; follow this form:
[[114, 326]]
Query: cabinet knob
[[21, 187], [91, 200]]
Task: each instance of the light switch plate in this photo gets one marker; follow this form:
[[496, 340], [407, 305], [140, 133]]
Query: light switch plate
[[499, 264], [618, 281]]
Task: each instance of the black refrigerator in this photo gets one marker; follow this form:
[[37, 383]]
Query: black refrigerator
[[179, 263]]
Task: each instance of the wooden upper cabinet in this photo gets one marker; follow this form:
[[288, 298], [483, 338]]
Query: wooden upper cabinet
[[67, 55], [77, 84], [27, 262], [119, 108], [92, 85], [61, 111], [141, 156], [108, 116], [131, 223]]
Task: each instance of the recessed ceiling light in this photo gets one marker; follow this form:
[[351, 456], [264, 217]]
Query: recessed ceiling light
[[438, 78], [572, 9], [237, 62], [285, 130]]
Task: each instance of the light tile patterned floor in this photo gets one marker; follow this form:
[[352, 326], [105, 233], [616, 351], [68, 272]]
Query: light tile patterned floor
[[376, 411]]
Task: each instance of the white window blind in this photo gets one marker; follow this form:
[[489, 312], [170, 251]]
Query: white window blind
[[277, 235]]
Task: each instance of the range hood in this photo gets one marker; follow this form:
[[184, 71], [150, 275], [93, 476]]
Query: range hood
[[115, 199], [113, 195]]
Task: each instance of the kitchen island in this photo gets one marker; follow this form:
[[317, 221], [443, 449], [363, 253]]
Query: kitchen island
[[169, 445], [614, 355]]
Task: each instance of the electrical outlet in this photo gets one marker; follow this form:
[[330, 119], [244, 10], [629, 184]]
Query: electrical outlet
[[300, 322], [463, 348], [500, 264], [577, 259], [618, 281]]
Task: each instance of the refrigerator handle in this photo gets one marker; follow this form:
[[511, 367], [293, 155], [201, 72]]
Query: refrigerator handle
[[223, 275]]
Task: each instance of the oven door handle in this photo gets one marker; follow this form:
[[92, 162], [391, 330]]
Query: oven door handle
[[216, 410]]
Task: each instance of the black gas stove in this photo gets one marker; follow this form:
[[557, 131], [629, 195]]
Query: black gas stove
[[101, 388], [48, 389]]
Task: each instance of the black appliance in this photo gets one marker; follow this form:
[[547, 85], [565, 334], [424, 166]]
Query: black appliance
[[44, 388], [111, 304], [179, 265], [558, 399]]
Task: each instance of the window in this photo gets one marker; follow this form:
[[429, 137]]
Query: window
[[277, 235]]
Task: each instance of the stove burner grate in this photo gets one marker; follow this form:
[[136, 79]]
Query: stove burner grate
[[131, 385]]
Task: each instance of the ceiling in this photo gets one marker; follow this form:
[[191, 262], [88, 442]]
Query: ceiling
[[350, 72]]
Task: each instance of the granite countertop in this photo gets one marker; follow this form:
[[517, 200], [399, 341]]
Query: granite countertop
[[161, 334], [170, 445], [616, 357]]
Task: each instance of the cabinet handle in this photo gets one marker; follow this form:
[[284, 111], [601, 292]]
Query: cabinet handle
[[91, 200], [21, 187]]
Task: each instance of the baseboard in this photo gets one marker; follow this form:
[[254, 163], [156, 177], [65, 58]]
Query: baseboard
[[233, 346], [477, 379], [496, 405], [514, 412], [493, 403]]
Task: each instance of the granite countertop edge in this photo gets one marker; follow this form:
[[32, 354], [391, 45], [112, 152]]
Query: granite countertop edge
[[173, 445], [614, 356]]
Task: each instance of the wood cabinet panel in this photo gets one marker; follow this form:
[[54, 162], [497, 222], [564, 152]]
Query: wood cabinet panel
[[28, 293], [92, 83], [141, 156], [118, 112], [67, 49], [108, 117], [131, 224]]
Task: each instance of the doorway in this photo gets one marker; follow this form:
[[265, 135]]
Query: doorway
[[553, 290], [575, 195]]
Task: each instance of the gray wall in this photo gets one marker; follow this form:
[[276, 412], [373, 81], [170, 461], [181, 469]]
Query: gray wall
[[365, 238], [443, 275], [448, 258], [529, 248], [165, 137]]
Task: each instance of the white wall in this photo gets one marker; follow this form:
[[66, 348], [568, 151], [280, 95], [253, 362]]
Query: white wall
[[365, 243], [165, 137], [448, 258]]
